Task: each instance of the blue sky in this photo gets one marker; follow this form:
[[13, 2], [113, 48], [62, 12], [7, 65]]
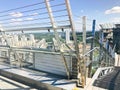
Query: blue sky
[[96, 9], [101, 10]]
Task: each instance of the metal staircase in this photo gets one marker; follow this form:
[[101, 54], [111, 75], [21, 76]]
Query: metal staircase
[[111, 81]]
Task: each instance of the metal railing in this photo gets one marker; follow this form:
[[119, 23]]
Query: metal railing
[[35, 16], [46, 15]]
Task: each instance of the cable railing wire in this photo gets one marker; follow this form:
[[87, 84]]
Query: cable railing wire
[[34, 9], [25, 20], [36, 20], [61, 21], [24, 7], [5, 15], [39, 14], [56, 5], [20, 17], [45, 18], [42, 8], [43, 23]]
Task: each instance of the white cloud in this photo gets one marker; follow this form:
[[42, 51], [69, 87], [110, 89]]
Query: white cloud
[[81, 11], [16, 14], [115, 9], [116, 19], [29, 19], [96, 11], [16, 21], [34, 14]]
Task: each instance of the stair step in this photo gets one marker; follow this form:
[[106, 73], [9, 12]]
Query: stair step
[[110, 81]]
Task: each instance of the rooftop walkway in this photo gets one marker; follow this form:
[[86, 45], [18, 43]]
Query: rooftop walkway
[[35, 79]]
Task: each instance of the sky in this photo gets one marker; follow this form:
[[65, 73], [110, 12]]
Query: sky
[[103, 11]]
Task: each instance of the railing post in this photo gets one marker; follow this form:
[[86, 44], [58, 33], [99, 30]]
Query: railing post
[[92, 45]]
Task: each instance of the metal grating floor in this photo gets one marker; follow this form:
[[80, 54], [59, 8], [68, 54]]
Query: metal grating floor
[[42, 77]]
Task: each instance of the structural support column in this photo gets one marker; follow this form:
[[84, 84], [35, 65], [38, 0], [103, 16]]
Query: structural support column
[[80, 73], [84, 34], [84, 46], [72, 26]]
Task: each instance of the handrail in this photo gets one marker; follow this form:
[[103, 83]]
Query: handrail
[[90, 51], [99, 73]]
